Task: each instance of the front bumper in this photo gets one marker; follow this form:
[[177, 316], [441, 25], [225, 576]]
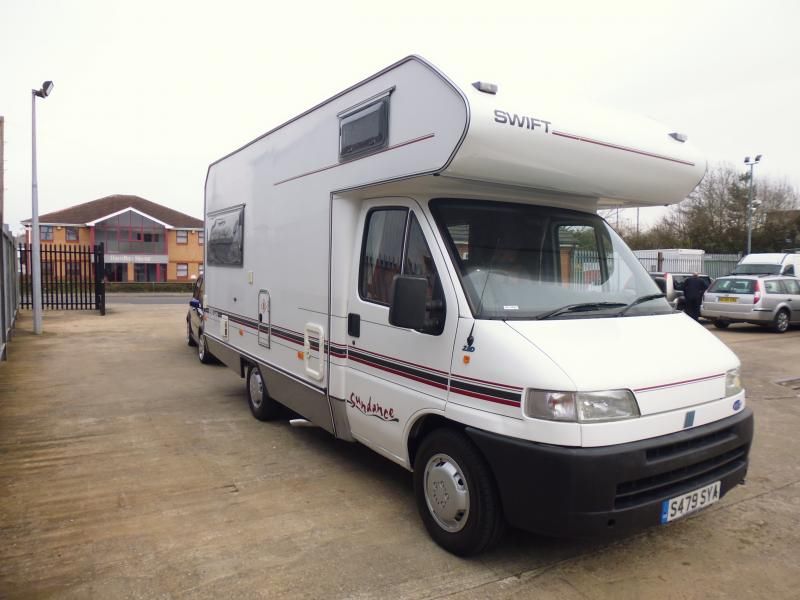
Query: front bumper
[[587, 492]]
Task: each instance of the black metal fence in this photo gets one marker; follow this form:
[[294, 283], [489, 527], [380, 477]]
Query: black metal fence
[[72, 277]]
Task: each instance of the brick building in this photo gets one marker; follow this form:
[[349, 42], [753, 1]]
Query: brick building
[[144, 241]]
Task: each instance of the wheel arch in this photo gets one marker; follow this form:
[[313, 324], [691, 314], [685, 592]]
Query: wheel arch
[[421, 426]]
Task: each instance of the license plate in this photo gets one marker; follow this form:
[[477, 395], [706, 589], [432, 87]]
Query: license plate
[[680, 506], [728, 299]]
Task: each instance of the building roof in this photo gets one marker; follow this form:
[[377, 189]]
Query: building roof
[[88, 212]]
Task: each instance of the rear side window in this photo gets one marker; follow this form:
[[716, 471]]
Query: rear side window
[[734, 286], [773, 287], [226, 237], [792, 286]]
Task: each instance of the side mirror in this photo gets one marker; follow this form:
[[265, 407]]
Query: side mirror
[[409, 295], [194, 303]]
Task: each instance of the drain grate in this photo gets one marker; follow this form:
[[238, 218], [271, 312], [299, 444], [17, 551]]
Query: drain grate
[[793, 384]]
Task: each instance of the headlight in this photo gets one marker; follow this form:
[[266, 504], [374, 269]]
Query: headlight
[[584, 407], [733, 383]]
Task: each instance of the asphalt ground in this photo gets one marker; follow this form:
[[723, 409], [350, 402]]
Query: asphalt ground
[[130, 470]]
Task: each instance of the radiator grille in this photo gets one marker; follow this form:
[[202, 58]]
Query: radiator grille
[[672, 483]]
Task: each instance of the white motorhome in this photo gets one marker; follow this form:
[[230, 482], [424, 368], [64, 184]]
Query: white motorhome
[[417, 265], [770, 263]]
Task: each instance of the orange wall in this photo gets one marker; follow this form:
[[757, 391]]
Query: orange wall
[[60, 236], [189, 252]]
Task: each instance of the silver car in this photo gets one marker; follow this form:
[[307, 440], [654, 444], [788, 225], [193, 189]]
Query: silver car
[[771, 301]]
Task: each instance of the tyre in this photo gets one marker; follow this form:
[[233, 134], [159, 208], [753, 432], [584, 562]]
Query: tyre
[[189, 339], [202, 350], [456, 495], [781, 322], [720, 324], [261, 405]]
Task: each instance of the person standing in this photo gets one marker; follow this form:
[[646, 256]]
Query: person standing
[[693, 290]]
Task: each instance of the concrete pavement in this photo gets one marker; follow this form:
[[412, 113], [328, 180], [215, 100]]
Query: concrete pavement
[[130, 470]]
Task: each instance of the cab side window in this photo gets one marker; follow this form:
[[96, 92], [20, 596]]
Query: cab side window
[[395, 245], [381, 254], [418, 262]]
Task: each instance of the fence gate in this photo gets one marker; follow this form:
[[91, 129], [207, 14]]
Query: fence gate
[[72, 277]]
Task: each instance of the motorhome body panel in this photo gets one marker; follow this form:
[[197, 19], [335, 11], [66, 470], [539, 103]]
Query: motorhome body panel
[[283, 183], [621, 160]]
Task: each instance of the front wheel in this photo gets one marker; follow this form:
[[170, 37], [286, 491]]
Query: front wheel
[[781, 322], [456, 494], [261, 405]]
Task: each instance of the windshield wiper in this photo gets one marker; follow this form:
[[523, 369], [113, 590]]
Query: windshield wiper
[[582, 307], [639, 300]]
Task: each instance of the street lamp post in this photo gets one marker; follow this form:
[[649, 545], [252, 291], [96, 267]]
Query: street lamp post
[[751, 164], [36, 264]]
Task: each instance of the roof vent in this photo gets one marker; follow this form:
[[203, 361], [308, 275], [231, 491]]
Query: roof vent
[[681, 137], [486, 88]]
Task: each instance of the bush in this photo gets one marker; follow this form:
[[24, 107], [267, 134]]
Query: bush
[[141, 286]]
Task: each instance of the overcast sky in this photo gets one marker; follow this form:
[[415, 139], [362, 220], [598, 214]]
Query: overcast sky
[[148, 93]]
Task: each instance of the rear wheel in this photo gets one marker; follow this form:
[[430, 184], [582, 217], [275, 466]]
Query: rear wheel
[[456, 494], [781, 322], [202, 350], [720, 324], [189, 339], [261, 405]]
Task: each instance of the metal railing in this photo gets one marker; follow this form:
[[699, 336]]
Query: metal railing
[[9, 293]]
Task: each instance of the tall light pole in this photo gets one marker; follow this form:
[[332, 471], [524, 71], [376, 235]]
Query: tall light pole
[[751, 164], [36, 265]]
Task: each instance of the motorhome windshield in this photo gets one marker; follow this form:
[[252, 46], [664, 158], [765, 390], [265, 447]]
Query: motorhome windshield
[[518, 261], [756, 269]]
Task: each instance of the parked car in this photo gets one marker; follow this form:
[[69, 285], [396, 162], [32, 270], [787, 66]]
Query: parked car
[[672, 285], [766, 300], [195, 323]]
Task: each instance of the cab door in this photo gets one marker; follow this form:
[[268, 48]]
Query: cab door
[[396, 373]]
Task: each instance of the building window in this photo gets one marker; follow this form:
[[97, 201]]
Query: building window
[[130, 232], [46, 233], [71, 234], [181, 236], [201, 237], [182, 270]]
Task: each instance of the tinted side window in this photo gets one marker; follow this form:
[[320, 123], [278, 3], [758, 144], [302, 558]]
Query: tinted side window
[[419, 263], [792, 286], [198, 289], [381, 256]]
